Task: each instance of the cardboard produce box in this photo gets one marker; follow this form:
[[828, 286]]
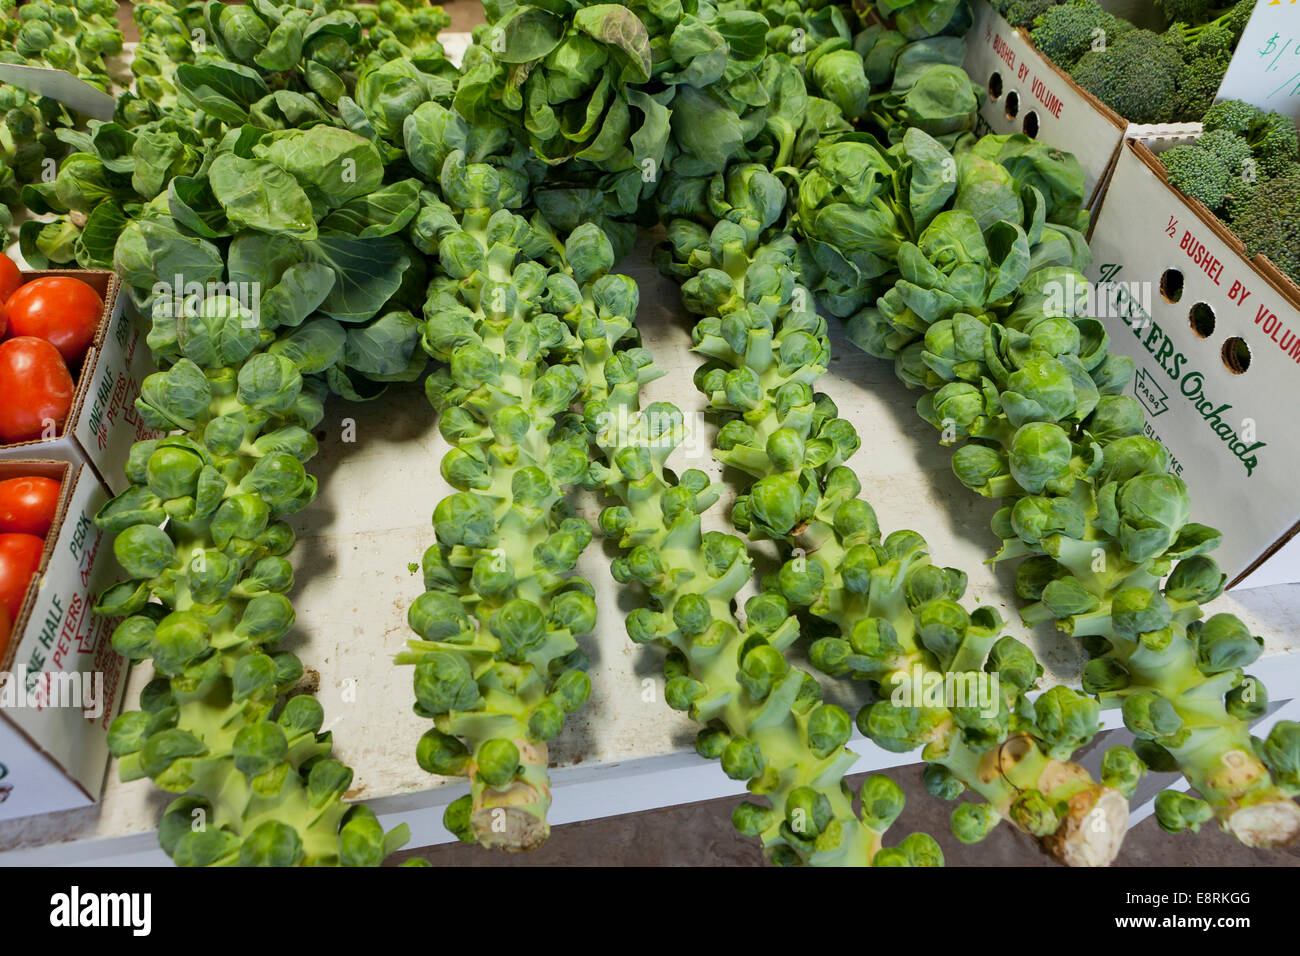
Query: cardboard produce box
[[103, 423], [1028, 94], [61, 682], [1216, 341]]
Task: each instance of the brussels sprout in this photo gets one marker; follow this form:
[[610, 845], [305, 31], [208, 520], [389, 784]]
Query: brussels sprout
[[1280, 752], [266, 618], [807, 812], [497, 762], [1223, 644], [144, 551], [327, 781], [202, 524], [1121, 768], [1136, 611], [976, 466], [1247, 701], [572, 690], [1039, 456], [441, 754], [1015, 665], [1034, 813], [1178, 812], [443, 682], [742, 759], [751, 819], [1066, 720], [272, 843], [1150, 716], [972, 822], [456, 818], [761, 670], [940, 782], [173, 472]]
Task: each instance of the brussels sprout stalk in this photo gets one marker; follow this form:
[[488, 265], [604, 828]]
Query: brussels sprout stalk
[[989, 317], [200, 532], [765, 718], [498, 665], [894, 613]]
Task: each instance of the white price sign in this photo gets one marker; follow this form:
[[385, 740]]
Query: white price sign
[[1265, 68]]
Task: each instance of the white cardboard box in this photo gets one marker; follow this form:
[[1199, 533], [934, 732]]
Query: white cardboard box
[[103, 423], [1216, 339], [53, 746], [1028, 94]]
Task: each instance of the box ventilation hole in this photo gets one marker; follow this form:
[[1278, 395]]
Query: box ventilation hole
[[1236, 355], [1201, 319], [1013, 104], [1171, 285], [1030, 125], [995, 85]]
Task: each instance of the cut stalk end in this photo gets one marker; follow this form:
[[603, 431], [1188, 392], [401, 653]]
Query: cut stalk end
[[511, 829], [1092, 831], [1266, 826], [512, 818]]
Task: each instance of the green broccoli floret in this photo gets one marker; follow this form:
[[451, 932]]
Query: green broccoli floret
[[1272, 136], [1216, 38], [1190, 12], [1022, 13], [1136, 75], [1198, 84], [1236, 116], [1210, 168], [1219, 32], [1275, 143], [1239, 16], [1269, 222], [1066, 32]]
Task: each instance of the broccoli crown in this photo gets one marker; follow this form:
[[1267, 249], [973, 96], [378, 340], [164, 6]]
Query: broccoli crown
[[1239, 16], [1275, 143], [1191, 12], [1209, 168], [1198, 84], [1218, 30], [1022, 13], [1235, 116], [1136, 75], [1216, 38], [1227, 149], [1268, 222], [1066, 32], [1272, 136]]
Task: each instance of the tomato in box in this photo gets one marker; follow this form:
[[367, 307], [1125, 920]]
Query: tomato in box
[[59, 309], [27, 505], [20, 556], [10, 279], [36, 386]]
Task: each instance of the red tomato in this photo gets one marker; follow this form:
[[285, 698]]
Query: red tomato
[[27, 505], [6, 629], [10, 277], [20, 555], [36, 387], [62, 310], [4, 321]]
